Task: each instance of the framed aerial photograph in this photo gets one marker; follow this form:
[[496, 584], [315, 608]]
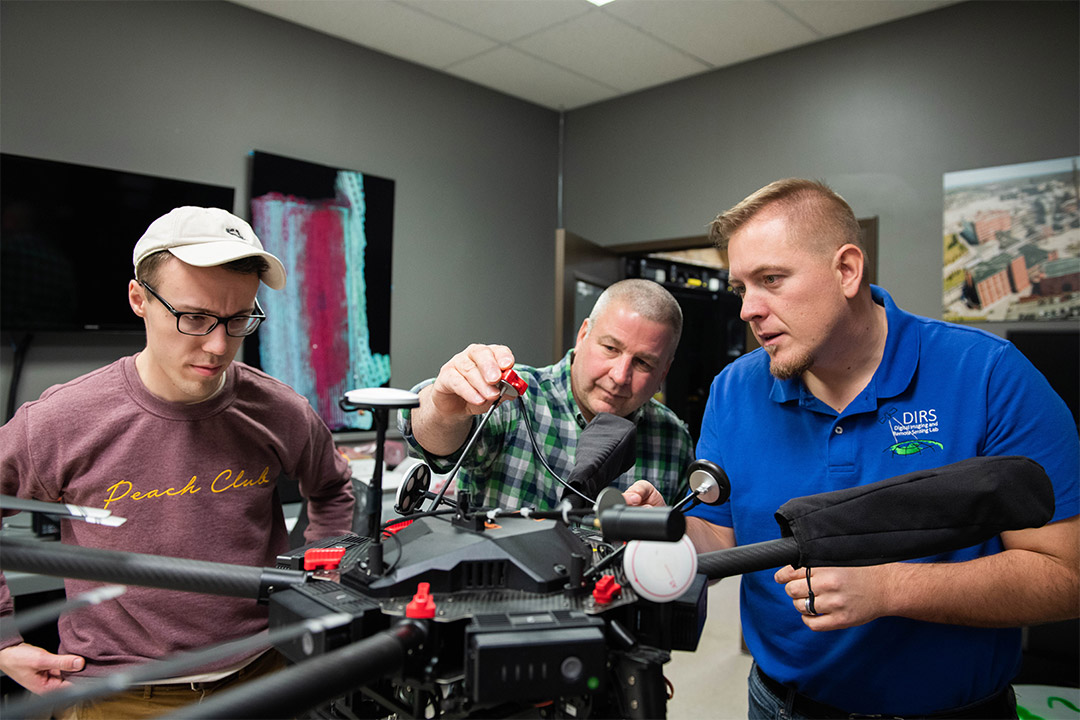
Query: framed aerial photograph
[[1012, 243]]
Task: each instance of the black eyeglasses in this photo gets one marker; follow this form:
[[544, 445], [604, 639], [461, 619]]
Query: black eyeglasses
[[200, 323]]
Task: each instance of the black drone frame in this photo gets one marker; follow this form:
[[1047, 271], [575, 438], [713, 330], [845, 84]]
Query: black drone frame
[[906, 517]]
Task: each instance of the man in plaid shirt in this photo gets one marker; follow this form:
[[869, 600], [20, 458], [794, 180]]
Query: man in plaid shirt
[[622, 354]]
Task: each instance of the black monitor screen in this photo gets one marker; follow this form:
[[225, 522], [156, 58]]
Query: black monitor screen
[[1057, 356], [66, 236]]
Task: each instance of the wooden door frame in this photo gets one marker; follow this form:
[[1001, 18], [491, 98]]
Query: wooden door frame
[[597, 261]]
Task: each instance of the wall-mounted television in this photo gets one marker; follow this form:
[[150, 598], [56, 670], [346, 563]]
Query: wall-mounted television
[[66, 236], [328, 331]]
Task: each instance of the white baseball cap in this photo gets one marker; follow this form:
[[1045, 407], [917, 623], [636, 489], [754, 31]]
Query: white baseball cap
[[205, 237]]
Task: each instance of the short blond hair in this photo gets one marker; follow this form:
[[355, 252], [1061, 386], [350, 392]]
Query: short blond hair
[[827, 217]]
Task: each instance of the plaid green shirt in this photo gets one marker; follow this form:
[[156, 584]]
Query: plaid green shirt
[[503, 471]]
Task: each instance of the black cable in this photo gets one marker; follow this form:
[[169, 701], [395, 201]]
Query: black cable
[[536, 450], [395, 538], [688, 503], [401, 551], [540, 455], [465, 451], [607, 546], [604, 562], [417, 516]]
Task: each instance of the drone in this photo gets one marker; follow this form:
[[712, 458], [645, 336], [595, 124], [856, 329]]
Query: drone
[[462, 611]]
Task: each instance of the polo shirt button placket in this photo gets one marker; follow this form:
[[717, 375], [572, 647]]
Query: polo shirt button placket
[[841, 448]]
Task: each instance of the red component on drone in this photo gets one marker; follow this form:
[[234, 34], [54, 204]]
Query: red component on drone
[[422, 606], [323, 558], [514, 380], [391, 529], [606, 590]]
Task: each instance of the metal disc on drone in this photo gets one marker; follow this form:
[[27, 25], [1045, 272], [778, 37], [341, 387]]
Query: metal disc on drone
[[411, 491], [660, 571], [383, 397], [608, 497]]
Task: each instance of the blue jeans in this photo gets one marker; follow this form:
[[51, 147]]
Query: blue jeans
[[763, 704]]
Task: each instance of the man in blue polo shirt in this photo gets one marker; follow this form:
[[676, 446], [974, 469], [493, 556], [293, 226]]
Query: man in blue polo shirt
[[849, 389]]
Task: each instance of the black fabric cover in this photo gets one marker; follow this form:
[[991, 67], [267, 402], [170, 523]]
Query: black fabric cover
[[606, 449], [919, 514]]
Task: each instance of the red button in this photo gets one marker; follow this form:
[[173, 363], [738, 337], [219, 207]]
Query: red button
[[323, 558], [422, 606], [606, 590]]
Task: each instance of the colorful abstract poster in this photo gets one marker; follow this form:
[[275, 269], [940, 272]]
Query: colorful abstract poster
[[328, 331], [1012, 243]]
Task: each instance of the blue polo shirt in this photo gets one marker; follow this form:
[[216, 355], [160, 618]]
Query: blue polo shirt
[[942, 393]]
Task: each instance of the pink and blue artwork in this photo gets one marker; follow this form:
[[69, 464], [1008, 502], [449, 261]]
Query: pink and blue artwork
[[328, 331]]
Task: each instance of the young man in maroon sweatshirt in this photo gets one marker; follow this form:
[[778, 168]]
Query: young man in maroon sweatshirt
[[187, 445]]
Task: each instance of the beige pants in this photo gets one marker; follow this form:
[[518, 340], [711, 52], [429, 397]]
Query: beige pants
[[148, 701]]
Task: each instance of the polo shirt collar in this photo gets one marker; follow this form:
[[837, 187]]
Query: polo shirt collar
[[898, 361], [901, 355]]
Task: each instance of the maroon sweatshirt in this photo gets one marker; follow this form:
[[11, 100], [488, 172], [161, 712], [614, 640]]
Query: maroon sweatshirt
[[194, 481]]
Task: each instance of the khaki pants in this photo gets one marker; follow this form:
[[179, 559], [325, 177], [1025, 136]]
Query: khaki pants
[[148, 701]]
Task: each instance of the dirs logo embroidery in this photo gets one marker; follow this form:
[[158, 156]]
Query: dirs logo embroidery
[[909, 428]]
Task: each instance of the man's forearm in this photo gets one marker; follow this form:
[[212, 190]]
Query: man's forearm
[[437, 433], [708, 537], [1010, 589]]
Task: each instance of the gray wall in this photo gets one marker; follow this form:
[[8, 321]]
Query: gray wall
[[879, 114], [188, 89]]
